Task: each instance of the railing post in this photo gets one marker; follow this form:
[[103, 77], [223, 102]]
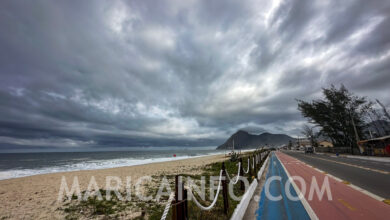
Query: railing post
[[185, 204], [178, 199], [174, 210], [250, 168], [175, 200], [242, 186], [261, 158], [224, 190], [255, 156], [255, 166]]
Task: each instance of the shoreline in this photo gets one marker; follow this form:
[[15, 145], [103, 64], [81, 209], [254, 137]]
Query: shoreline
[[150, 161], [36, 196]]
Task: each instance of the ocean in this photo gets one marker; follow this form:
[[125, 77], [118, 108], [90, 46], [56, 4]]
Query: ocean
[[14, 165]]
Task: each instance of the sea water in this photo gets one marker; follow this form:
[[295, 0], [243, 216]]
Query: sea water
[[13, 165]]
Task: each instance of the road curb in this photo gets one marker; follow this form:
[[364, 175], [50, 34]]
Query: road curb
[[261, 171], [241, 208]]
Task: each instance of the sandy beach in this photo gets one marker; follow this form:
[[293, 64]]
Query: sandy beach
[[35, 197]]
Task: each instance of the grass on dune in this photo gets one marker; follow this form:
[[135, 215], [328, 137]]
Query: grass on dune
[[93, 208]]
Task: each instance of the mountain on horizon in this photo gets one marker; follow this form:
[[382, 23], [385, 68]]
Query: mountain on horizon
[[244, 140]]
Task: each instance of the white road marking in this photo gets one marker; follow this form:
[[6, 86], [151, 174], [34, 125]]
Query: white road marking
[[305, 204], [372, 195]]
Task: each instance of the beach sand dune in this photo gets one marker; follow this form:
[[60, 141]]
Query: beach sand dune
[[35, 197]]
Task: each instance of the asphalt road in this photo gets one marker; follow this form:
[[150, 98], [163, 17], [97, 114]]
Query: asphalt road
[[342, 201], [369, 175]]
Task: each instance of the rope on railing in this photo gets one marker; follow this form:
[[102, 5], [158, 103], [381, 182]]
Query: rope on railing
[[237, 177], [169, 203], [247, 170], [167, 206], [215, 198]]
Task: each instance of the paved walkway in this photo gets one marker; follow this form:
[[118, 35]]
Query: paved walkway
[[284, 208], [346, 202]]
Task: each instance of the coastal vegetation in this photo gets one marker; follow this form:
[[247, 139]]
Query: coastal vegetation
[[115, 208]]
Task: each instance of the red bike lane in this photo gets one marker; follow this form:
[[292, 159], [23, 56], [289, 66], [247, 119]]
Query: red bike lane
[[346, 202]]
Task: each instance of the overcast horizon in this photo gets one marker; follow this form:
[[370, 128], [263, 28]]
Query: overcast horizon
[[179, 73]]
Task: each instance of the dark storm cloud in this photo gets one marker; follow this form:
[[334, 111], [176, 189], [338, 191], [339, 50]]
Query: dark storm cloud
[[167, 73]]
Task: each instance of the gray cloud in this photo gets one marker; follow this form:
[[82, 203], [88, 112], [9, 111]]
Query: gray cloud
[[173, 73]]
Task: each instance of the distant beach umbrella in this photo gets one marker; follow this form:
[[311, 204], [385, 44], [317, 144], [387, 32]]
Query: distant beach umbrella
[[174, 155]]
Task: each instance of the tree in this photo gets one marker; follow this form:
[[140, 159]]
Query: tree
[[310, 134], [379, 122], [339, 115], [384, 109], [373, 118]]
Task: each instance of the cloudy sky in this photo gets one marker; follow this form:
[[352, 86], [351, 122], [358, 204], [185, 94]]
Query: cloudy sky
[[179, 73]]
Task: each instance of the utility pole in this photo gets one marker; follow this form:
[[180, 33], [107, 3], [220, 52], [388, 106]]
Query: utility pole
[[354, 129]]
